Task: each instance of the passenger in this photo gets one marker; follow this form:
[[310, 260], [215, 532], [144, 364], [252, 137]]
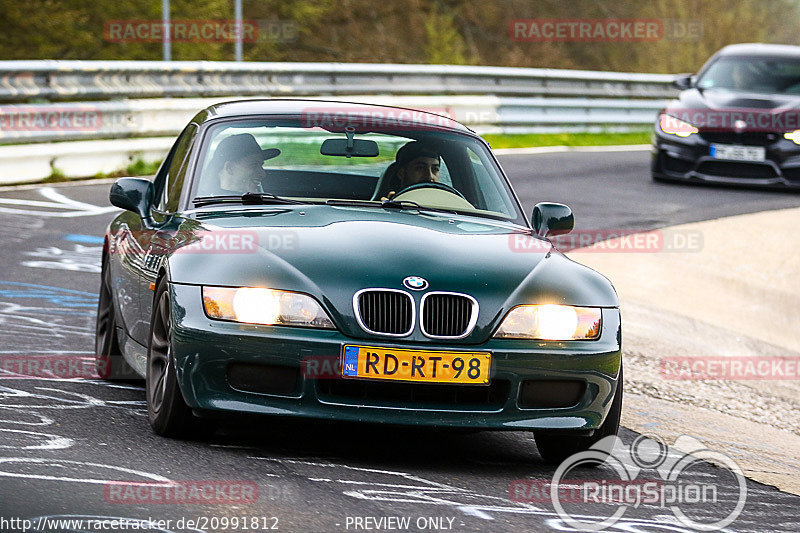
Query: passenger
[[239, 162]]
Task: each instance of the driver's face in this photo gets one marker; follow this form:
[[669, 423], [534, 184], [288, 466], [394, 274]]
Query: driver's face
[[420, 170], [243, 174]]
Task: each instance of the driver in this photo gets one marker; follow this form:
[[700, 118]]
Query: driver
[[239, 162], [742, 77], [414, 163]]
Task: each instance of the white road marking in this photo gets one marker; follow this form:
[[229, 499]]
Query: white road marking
[[43, 420], [80, 259], [52, 194], [50, 441], [466, 501], [80, 468], [68, 207], [9, 398]]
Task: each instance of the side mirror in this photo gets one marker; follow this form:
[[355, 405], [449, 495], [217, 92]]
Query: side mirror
[[133, 194], [683, 81], [550, 219]]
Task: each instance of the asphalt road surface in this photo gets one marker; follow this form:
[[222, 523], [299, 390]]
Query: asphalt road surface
[[70, 449]]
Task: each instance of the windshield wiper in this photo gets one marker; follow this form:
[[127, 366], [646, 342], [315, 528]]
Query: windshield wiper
[[408, 204], [389, 204], [249, 198]]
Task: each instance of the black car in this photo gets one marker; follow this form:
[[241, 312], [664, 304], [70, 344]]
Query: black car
[[736, 122]]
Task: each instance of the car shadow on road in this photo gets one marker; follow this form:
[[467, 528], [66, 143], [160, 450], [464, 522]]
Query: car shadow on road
[[380, 445]]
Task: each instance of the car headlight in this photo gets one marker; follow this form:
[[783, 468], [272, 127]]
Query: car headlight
[[255, 305], [793, 136], [551, 322], [674, 126]]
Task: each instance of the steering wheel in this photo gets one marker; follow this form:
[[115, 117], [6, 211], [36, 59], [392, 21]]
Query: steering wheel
[[430, 185]]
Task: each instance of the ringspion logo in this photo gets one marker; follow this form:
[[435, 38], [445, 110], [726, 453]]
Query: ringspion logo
[[695, 502]]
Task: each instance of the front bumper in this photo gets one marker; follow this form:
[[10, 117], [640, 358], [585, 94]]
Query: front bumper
[[206, 349], [688, 159]]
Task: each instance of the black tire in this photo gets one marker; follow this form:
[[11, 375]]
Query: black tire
[[554, 449], [167, 412], [108, 360]]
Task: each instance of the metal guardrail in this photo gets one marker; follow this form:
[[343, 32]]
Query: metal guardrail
[[53, 80], [72, 121], [131, 109]]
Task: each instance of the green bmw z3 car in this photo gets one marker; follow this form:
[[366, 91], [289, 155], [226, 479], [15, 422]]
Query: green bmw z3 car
[[352, 262]]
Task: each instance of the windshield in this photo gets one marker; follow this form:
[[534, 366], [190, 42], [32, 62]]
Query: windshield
[[753, 74], [283, 157]]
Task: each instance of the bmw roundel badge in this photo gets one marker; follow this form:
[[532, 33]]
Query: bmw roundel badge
[[415, 283]]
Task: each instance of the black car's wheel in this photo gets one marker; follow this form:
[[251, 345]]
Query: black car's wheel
[[108, 360], [554, 449], [166, 409]]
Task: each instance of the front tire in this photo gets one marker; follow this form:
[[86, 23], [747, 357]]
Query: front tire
[[554, 449], [167, 411]]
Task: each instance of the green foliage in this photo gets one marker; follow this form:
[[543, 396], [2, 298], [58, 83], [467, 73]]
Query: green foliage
[[56, 175], [141, 168], [403, 31], [444, 45]]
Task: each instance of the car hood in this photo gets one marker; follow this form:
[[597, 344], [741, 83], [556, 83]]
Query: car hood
[[692, 104], [332, 252]]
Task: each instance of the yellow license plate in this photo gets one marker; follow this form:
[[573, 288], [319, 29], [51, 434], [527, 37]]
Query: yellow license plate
[[373, 362]]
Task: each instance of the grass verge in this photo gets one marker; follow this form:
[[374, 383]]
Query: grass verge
[[528, 140]]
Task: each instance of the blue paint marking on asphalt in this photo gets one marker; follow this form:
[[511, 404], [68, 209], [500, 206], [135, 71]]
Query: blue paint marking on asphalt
[[54, 295], [83, 239]]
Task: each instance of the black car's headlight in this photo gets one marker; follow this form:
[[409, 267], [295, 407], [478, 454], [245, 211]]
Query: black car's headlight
[[551, 322], [674, 126], [256, 305], [793, 136]]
